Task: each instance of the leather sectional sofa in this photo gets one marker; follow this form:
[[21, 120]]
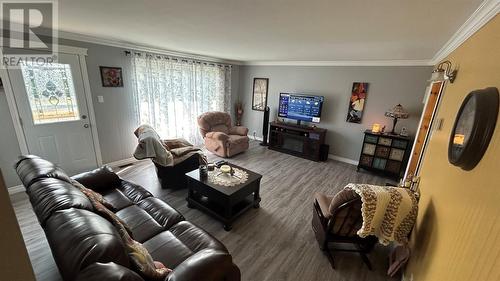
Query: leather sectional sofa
[[86, 246]]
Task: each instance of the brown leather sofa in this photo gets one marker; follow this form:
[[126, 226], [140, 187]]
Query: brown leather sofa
[[87, 247], [221, 138]]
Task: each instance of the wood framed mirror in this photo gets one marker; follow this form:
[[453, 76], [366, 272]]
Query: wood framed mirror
[[259, 95], [473, 128]]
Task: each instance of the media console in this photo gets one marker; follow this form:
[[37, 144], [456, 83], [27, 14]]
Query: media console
[[301, 141]]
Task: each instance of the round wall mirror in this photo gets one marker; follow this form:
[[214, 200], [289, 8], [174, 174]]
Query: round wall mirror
[[473, 128]]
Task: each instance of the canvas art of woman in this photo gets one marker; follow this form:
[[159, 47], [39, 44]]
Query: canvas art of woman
[[357, 102]]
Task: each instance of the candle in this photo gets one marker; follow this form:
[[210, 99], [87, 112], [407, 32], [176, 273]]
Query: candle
[[459, 139]]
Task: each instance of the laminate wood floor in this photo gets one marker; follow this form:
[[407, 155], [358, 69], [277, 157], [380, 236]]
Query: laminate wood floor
[[273, 243]]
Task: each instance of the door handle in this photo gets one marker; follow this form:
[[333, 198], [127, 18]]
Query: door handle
[[86, 125]]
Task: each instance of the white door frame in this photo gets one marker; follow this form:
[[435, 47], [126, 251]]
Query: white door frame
[[14, 113]]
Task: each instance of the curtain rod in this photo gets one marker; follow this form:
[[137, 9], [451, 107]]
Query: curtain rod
[[181, 59]]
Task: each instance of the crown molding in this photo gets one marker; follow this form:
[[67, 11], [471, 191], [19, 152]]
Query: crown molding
[[484, 13], [342, 63], [139, 47]]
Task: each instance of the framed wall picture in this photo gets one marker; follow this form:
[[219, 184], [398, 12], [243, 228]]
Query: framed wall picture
[[259, 97], [111, 76], [357, 102]]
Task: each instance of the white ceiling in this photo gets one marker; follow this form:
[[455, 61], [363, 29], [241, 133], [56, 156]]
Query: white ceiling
[[275, 30]]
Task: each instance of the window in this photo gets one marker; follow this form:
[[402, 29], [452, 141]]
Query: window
[[172, 93], [51, 92]]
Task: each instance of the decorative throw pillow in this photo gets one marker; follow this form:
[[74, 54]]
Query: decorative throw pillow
[[341, 197]]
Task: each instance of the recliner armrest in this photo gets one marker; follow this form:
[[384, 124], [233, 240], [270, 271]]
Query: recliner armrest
[[107, 271], [238, 130], [218, 136], [206, 265]]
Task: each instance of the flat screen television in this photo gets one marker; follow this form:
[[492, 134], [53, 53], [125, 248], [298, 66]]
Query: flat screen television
[[300, 107]]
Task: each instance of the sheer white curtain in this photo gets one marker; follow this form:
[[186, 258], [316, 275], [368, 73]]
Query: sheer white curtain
[[171, 93]]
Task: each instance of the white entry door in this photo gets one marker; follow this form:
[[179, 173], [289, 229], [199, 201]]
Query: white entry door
[[54, 114]]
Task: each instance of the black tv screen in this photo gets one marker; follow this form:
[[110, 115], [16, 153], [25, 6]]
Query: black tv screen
[[300, 107]]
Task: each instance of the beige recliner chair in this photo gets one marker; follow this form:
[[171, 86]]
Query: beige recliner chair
[[220, 137]]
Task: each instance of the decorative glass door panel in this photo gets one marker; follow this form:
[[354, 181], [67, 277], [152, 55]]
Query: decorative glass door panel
[[51, 92], [52, 106]]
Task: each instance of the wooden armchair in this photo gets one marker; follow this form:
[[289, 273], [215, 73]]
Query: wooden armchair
[[336, 220]]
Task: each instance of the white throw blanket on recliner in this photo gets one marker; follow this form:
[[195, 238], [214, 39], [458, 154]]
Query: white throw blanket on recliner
[[151, 146], [388, 212]]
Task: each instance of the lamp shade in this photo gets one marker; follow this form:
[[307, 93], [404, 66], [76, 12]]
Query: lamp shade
[[398, 112]]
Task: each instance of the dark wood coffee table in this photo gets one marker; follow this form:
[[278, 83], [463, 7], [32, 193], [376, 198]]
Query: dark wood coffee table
[[225, 203]]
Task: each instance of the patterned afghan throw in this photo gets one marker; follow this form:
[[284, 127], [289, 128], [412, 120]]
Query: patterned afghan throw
[[388, 212], [138, 255]]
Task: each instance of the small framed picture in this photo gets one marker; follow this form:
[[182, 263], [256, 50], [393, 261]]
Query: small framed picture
[[259, 97], [111, 76]]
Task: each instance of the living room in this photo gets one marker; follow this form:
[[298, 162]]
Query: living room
[[250, 146]]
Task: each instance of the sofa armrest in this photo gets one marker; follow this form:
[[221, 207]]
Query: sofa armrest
[[218, 136], [107, 271], [206, 265], [238, 130]]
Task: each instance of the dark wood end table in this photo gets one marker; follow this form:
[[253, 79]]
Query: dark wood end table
[[225, 203]]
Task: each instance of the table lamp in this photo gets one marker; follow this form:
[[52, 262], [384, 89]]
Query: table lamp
[[397, 112]]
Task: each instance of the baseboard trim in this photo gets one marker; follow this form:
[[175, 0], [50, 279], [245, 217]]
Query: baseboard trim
[[255, 139], [16, 189], [343, 159], [122, 162]]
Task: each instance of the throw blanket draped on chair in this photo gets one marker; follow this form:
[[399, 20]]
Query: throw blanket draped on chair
[[139, 256], [165, 153], [388, 212]]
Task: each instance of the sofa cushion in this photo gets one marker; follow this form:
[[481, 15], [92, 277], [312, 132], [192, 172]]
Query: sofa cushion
[[133, 191], [163, 214], [99, 179], [180, 242], [125, 194], [116, 199], [142, 225], [48, 195], [31, 168], [79, 238]]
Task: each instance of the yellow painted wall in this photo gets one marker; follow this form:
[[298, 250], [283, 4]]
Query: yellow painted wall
[[457, 236]]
